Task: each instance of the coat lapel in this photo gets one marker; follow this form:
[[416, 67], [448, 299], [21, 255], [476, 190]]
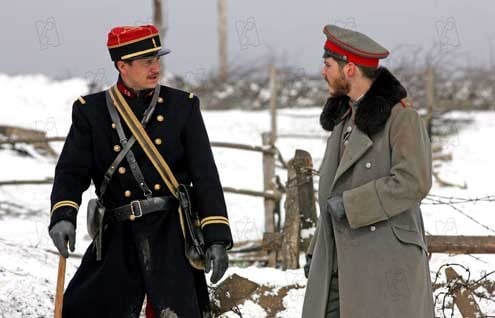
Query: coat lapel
[[330, 162], [358, 144]]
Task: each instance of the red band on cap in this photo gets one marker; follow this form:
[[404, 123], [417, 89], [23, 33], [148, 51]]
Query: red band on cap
[[351, 57], [120, 36]]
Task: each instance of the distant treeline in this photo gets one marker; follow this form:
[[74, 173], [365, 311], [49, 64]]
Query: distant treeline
[[459, 83]]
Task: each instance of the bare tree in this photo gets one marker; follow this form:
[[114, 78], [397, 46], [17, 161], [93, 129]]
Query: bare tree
[[222, 40], [162, 24]]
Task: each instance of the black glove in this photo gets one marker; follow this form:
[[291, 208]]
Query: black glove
[[335, 206], [307, 265], [216, 254], [62, 232]]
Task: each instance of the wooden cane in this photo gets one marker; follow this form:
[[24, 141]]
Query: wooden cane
[[59, 294]]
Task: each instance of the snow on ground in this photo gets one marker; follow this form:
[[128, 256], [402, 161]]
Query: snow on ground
[[28, 266]]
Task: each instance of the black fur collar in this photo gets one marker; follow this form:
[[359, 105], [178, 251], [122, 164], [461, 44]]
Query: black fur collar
[[373, 110]]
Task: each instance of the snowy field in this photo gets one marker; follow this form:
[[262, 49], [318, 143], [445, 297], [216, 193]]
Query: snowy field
[[28, 264]]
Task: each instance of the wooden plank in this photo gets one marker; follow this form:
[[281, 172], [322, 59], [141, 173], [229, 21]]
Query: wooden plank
[[233, 291], [26, 182], [32, 136], [449, 244], [13, 141], [267, 195], [460, 244], [265, 149]]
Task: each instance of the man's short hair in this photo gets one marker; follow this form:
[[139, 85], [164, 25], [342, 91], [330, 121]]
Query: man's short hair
[[368, 72], [116, 67]]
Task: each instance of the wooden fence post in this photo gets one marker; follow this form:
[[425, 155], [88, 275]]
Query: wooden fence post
[[463, 297], [430, 98], [273, 104], [300, 209], [291, 236], [306, 195], [222, 40], [162, 26], [269, 185]]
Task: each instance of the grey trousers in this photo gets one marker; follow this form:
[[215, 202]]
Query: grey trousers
[[333, 310]]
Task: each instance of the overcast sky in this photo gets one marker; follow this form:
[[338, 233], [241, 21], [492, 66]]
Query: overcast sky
[[67, 38]]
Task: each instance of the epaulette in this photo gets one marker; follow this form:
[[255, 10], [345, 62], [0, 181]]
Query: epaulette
[[82, 100], [191, 95]]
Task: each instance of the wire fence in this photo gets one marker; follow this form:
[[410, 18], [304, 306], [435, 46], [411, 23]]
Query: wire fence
[[445, 293]]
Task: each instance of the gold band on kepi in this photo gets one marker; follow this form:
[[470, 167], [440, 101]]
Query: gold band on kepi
[[132, 42]]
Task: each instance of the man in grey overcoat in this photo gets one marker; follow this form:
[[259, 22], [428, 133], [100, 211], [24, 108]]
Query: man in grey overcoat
[[368, 257]]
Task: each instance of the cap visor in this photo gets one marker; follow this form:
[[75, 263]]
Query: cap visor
[[154, 54], [163, 52]]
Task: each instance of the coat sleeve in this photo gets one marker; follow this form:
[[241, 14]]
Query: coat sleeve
[[205, 179], [72, 172], [409, 180]]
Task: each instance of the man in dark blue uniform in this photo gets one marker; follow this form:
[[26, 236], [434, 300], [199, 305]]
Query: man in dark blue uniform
[[140, 255]]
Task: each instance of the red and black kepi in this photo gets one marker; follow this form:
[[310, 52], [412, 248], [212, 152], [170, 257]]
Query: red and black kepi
[[352, 46], [132, 42]]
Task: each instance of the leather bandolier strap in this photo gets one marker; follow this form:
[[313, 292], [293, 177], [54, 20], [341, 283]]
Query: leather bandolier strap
[[129, 155]]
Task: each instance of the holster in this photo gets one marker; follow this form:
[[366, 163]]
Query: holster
[[194, 240], [95, 223]]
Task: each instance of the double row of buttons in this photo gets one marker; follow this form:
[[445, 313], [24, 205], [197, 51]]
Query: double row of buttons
[[122, 170], [157, 141], [128, 193]]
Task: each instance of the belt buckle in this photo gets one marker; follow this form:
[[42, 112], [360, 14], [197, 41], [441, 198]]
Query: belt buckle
[[135, 215]]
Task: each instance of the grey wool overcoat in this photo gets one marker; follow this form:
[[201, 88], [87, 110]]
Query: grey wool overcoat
[[384, 173]]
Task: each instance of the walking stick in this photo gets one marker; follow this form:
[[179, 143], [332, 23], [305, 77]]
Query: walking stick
[[59, 294]]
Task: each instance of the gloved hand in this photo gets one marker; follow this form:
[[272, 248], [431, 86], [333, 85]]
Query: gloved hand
[[335, 206], [307, 265], [218, 260], [62, 232]]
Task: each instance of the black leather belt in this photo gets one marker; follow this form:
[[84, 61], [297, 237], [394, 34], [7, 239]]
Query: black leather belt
[[139, 208]]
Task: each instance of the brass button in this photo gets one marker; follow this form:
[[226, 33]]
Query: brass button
[[372, 228], [160, 118], [160, 100], [127, 193], [116, 148], [368, 165], [158, 141], [122, 170], [114, 126], [157, 187]]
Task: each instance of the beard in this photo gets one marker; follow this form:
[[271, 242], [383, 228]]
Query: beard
[[339, 86]]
